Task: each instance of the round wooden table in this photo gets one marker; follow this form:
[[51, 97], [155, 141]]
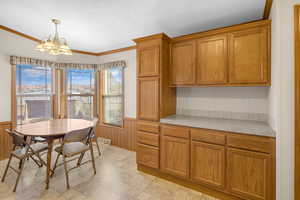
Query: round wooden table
[[50, 130]]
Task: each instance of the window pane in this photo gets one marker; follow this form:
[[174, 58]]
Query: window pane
[[34, 89], [32, 108], [80, 81], [113, 81], [33, 80], [113, 110], [80, 107]]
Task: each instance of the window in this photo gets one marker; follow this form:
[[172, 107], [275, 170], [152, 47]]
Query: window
[[112, 96], [80, 93], [33, 93]]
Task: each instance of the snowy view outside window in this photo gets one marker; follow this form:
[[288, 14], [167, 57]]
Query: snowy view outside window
[[113, 96], [81, 93], [34, 93]]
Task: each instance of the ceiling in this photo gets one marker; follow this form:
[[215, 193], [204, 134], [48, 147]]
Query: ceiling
[[101, 25]]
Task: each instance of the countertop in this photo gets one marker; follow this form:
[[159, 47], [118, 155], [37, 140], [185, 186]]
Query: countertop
[[230, 125]]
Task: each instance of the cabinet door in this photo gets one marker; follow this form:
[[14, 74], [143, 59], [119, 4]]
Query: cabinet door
[[208, 164], [148, 99], [175, 156], [248, 56], [147, 155], [211, 57], [249, 174], [183, 58], [148, 61]]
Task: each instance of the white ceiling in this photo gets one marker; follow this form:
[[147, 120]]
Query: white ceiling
[[99, 25]]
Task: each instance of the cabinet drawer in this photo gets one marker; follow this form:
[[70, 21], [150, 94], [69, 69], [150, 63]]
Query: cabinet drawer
[[148, 126], [148, 138], [253, 143], [148, 156], [210, 136], [175, 131]]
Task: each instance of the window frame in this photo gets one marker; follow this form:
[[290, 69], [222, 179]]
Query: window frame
[[14, 95], [102, 96], [64, 95], [59, 96]]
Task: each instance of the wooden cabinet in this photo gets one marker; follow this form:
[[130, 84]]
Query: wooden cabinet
[[175, 156], [231, 56], [148, 61], [248, 56], [249, 174], [183, 63], [148, 138], [148, 98], [208, 164], [147, 156], [212, 60]]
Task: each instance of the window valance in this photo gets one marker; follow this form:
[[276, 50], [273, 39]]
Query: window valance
[[17, 60]]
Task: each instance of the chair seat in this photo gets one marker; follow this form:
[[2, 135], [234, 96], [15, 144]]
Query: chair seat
[[37, 147], [72, 148], [38, 139]]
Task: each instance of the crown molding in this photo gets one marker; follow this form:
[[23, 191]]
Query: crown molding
[[267, 10], [5, 28]]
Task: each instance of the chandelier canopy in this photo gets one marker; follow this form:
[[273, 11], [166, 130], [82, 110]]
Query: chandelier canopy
[[54, 45]]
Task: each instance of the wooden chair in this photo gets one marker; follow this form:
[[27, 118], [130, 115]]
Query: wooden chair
[[93, 134], [23, 150], [75, 143]]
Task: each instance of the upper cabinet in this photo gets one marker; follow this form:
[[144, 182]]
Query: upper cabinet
[[232, 56], [148, 61], [248, 56], [212, 60], [183, 62]]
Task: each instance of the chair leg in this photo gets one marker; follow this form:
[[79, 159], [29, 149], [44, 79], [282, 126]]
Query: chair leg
[[99, 152], [19, 174], [36, 162], [80, 159], [93, 159], [66, 171], [6, 169], [55, 164]]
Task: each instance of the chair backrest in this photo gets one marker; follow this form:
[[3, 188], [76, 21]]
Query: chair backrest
[[95, 122], [17, 139], [78, 135]]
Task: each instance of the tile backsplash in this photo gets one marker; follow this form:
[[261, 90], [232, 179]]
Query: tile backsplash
[[245, 103]]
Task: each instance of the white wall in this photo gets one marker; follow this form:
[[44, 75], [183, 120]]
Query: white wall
[[11, 44], [130, 78], [282, 94], [228, 99]]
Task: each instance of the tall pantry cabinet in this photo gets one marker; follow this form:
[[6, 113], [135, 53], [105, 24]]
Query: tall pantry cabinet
[[155, 99]]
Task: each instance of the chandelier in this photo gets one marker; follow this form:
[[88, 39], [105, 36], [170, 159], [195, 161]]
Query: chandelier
[[54, 45]]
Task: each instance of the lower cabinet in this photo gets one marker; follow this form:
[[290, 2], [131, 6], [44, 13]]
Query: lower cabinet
[[235, 164], [175, 156], [249, 174], [208, 164], [147, 155]]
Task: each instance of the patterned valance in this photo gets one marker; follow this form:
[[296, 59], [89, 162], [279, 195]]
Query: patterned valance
[[17, 60], [120, 63]]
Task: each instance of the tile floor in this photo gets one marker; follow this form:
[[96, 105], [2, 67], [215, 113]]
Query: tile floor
[[117, 179]]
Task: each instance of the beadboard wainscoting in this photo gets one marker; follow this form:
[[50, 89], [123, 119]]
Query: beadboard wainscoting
[[124, 137], [5, 142]]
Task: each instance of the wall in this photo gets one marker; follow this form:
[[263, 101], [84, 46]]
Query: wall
[[130, 78], [282, 93], [11, 44], [240, 100]]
